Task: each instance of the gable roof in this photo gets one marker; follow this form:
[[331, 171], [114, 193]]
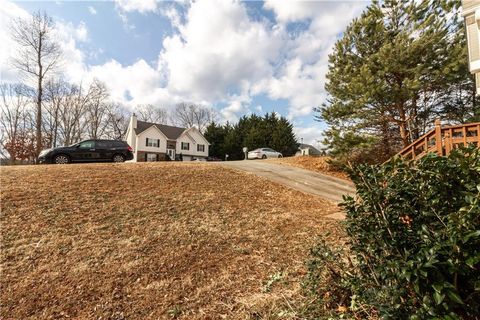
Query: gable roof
[[170, 132]]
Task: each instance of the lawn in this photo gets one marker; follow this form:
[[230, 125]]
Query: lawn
[[313, 163], [153, 240]]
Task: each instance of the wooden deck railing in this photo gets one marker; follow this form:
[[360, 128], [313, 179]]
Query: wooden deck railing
[[442, 140]]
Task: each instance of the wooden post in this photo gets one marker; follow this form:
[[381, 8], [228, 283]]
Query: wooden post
[[448, 142], [438, 137], [478, 135]]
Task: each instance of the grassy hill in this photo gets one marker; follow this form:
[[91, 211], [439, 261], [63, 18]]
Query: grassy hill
[[152, 240], [317, 164]]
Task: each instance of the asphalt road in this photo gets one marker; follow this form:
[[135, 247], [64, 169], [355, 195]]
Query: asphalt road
[[327, 187]]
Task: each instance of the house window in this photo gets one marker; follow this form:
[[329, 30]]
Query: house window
[[185, 146], [200, 147], [153, 143], [151, 157]]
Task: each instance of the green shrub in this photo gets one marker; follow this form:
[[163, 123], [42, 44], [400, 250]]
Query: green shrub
[[327, 281], [414, 239]]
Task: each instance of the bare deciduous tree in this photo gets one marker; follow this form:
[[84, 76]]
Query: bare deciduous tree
[[151, 113], [72, 109], [96, 109], [13, 117], [55, 96], [38, 56], [117, 122], [193, 115]]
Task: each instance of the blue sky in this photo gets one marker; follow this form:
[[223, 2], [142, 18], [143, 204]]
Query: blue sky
[[238, 57]]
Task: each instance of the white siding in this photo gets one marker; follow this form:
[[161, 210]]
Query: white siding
[[151, 133], [196, 138], [131, 136]]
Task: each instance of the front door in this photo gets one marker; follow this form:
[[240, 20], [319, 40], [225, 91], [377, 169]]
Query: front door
[[171, 153]]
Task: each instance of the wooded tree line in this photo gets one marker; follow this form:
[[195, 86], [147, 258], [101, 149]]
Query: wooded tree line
[[397, 68], [252, 132], [75, 112], [69, 114], [45, 110]]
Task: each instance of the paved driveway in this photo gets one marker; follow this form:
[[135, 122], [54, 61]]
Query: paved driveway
[[327, 187]]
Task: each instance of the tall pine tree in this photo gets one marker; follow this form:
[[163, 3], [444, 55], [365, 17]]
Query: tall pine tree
[[396, 68]]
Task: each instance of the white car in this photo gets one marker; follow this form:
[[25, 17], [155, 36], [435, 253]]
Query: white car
[[264, 153]]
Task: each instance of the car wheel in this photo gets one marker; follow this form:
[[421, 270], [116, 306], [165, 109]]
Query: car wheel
[[118, 158], [280, 156], [264, 156], [61, 159]]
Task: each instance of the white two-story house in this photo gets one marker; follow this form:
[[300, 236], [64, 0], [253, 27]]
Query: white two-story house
[[153, 141]]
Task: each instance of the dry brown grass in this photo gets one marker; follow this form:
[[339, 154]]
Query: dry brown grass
[[152, 240], [317, 164]]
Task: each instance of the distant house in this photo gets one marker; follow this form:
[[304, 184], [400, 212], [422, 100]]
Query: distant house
[[153, 141], [307, 150]]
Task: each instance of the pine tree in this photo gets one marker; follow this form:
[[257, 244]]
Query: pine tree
[[394, 70], [215, 135], [252, 132]]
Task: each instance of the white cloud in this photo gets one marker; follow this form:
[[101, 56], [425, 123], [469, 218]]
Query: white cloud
[[218, 49], [142, 6], [310, 135], [289, 11], [173, 15], [81, 32], [138, 81], [217, 54], [237, 104], [92, 10], [300, 84], [301, 78], [294, 11], [126, 6], [65, 33], [68, 37], [8, 11]]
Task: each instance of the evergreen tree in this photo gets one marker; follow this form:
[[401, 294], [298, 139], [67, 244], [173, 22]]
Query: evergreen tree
[[397, 67], [282, 138], [252, 132], [215, 134]]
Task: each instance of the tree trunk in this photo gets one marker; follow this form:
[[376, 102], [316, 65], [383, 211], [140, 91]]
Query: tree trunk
[[39, 101], [13, 155], [404, 133]]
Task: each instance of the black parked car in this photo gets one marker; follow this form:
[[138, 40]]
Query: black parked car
[[88, 151]]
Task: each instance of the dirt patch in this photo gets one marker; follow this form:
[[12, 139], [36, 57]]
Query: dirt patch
[[153, 240], [317, 164]]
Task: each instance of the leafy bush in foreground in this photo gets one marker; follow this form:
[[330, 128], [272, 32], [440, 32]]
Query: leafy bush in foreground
[[414, 242]]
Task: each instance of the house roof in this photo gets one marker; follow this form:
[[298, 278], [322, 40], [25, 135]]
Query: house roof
[[170, 132], [313, 150]]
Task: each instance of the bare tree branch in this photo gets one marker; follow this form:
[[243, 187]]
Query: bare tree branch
[[190, 115], [38, 56]]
